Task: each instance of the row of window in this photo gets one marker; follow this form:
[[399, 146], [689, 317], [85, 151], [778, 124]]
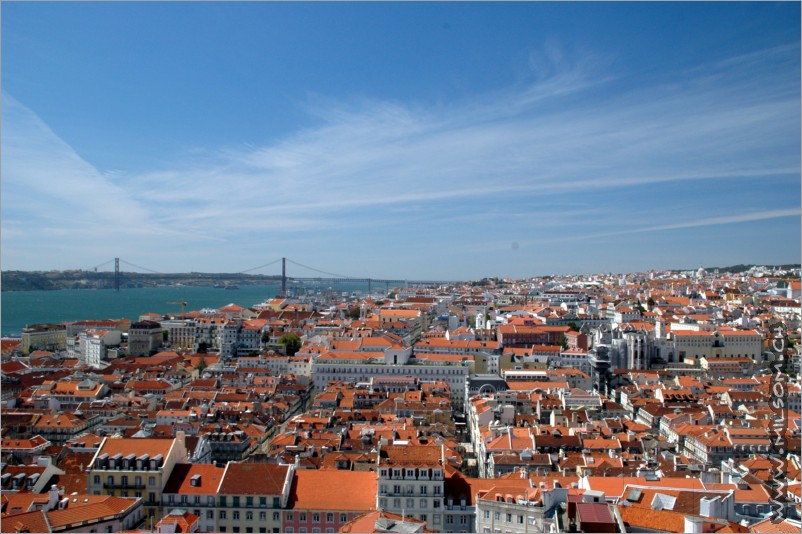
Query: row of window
[[410, 503], [508, 517], [124, 480], [316, 517], [247, 529], [235, 515]]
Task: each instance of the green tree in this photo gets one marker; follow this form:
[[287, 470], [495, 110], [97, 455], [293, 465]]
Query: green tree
[[354, 312], [201, 365], [203, 347], [291, 343], [563, 341]]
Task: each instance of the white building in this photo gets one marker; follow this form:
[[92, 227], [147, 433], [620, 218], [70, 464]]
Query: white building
[[411, 482]]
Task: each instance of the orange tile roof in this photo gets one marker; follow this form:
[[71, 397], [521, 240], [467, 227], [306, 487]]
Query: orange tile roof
[[323, 490], [73, 515], [138, 446], [253, 479]]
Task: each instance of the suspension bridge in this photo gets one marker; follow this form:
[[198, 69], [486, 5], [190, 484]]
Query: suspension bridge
[[324, 278]]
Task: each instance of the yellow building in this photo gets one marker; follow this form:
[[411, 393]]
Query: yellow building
[[130, 467]]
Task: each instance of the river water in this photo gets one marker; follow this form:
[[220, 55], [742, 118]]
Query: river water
[[22, 308]]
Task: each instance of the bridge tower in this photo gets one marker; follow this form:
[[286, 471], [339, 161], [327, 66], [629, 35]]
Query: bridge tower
[[283, 276], [116, 274]]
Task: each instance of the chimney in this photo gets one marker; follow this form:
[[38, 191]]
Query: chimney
[[53, 497]]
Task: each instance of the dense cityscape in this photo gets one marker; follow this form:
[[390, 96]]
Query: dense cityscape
[[665, 401]]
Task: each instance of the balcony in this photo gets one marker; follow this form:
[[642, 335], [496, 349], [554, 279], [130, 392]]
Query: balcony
[[124, 486]]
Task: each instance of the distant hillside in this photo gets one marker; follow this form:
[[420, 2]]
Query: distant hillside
[[53, 280], [740, 268]]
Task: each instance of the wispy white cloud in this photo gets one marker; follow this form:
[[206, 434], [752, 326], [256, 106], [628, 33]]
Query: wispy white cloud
[[578, 131]]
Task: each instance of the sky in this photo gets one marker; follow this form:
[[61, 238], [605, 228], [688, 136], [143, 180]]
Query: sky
[[411, 140]]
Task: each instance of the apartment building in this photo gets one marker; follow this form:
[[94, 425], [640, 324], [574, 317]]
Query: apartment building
[[252, 496], [411, 482], [130, 467]]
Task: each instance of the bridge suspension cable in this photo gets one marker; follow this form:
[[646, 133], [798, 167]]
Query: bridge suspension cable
[[140, 267], [261, 266], [319, 271], [96, 267]]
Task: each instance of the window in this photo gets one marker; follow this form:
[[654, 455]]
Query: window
[[248, 529], [222, 529], [497, 516], [138, 481], [329, 517], [382, 502], [423, 490], [423, 503], [151, 481], [235, 515], [197, 499], [315, 518], [249, 502], [289, 516], [276, 502], [520, 520], [487, 514], [222, 500], [209, 514], [248, 516], [235, 504], [110, 480], [124, 480], [222, 514], [97, 479], [275, 516], [236, 529], [302, 517], [410, 503], [509, 518], [263, 502], [343, 518]]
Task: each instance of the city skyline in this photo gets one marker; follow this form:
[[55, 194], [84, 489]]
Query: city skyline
[[401, 140]]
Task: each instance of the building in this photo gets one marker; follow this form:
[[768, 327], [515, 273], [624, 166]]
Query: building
[[411, 482], [194, 487], [319, 501], [144, 337], [131, 467], [52, 337], [252, 496]]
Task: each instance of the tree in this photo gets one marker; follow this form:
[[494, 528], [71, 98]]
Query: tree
[[563, 341], [203, 347], [354, 312], [291, 343], [201, 364]]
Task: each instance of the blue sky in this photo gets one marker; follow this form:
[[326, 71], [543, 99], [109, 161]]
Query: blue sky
[[414, 140]]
